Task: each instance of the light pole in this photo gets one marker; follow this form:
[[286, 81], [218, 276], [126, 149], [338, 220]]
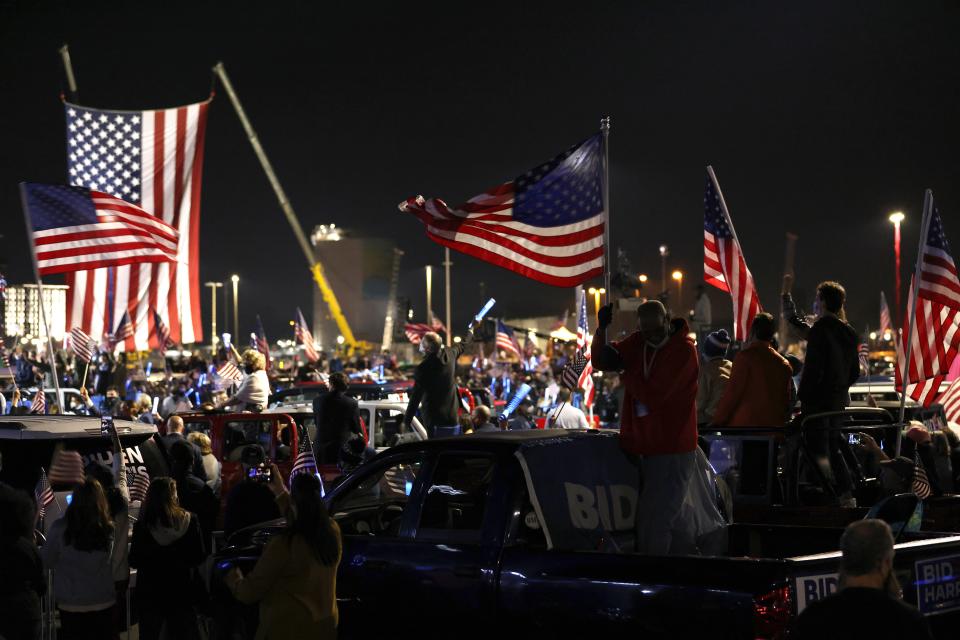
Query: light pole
[[213, 312], [235, 279], [429, 294], [664, 252], [678, 276], [596, 293], [896, 218]]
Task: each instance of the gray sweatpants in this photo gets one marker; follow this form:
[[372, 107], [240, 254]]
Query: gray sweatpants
[[659, 528]]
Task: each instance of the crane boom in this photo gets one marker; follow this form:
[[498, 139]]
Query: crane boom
[[315, 267]]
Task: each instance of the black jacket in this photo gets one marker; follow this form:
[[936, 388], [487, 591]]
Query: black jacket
[[197, 469], [831, 366], [248, 503], [20, 590], [198, 498], [337, 416], [434, 384], [164, 568]]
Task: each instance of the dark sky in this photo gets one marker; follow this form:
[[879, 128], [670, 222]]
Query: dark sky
[[819, 117]]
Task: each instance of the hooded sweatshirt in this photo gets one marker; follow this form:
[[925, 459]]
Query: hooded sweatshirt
[[659, 414], [164, 557]]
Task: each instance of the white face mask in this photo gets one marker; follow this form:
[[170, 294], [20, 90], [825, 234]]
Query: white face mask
[[423, 347]]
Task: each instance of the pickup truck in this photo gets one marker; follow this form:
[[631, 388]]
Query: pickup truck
[[466, 536]]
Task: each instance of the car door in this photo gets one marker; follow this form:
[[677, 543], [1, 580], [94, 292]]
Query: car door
[[374, 510], [458, 537]]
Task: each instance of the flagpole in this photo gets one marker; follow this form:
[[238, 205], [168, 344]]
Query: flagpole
[[605, 130], [43, 307], [908, 346], [446, 276], [68, 68]]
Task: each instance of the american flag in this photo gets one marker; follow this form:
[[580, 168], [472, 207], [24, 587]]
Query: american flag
[[123, 331], [950, 400], [66, 468], [935, 337], [75, 228], [153, 159], [82, 344], [162, 331], [415, 331], [258, 341], [305, 462], [573, 371], [39, 403], [229, 371], [723, 263], [885, 323], [863, 351], [139, 487], [921, 483], [583, 346], [436, 324], [303, 335], [546, 224], [43, 493], [506, 339]]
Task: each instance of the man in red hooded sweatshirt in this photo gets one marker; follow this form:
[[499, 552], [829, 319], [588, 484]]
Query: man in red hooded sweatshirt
[[658, 420]]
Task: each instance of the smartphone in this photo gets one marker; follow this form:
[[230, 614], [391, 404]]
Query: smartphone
[[106, 426], [853, 438]]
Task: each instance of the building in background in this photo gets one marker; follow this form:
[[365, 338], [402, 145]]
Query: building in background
[[22, 316], [358, 270]]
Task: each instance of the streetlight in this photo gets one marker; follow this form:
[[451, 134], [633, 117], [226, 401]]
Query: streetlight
[[235, 279], [596, 297], [213, 313], [678, 276], [664, 252], [642, 278], [896, 218]]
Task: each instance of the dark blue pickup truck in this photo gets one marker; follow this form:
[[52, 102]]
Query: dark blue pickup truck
[[509, 533]]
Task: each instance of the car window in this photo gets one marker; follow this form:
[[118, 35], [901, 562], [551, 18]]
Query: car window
[[241, 434], [456, 500], [376, 504], [389, 425], [192, 426]]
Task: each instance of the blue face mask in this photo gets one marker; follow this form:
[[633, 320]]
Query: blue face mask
[[816, 307]]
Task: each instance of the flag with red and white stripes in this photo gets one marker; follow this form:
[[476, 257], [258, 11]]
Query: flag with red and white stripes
[[43, 493], [75, 228], [506, 339], [162, 332], [39, 403], [230, 371], [723, 263], [82, 344], [950, 400], [258, 341], [139, 486], [122, 333], [303, 334], [886, 325], [585, 380], [935, 337], [416, 330], [436, 323], [152, 159], [546, 224], [66, 468]]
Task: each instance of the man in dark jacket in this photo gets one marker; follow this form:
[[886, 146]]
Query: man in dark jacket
[[337, 417], [175, 434], [434, 383], [830, 367], [194, 494]]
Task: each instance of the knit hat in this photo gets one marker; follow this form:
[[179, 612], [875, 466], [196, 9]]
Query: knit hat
[[715, 346]]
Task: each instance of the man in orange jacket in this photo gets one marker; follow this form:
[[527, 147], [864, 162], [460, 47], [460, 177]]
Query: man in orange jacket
[[758, 393], [658, 420]]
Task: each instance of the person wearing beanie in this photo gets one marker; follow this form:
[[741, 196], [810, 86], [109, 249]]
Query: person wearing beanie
[[714, 374], [761, 384]]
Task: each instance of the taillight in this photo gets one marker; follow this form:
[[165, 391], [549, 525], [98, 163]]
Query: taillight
[[771, 614]]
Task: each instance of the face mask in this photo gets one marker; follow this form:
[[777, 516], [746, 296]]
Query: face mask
[[816, 307], [423, 347], [248, 369]]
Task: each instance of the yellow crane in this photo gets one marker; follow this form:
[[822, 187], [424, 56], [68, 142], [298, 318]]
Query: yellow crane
[[316, 268]]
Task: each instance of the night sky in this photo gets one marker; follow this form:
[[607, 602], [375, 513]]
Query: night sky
[[819, 118]]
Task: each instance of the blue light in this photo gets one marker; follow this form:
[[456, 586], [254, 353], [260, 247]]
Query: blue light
[[408, 487]]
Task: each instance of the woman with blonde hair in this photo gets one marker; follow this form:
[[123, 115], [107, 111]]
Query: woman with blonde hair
[[210, 463], [255, 388], [166, 548]]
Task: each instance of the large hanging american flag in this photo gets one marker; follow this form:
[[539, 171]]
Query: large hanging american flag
[[74, 228], [302, 333], [153, 159], [935, 337], [723, 263], [886, 325], [506, 340], [546, 224]]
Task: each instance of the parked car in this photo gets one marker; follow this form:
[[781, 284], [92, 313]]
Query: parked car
[[445, 535]]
